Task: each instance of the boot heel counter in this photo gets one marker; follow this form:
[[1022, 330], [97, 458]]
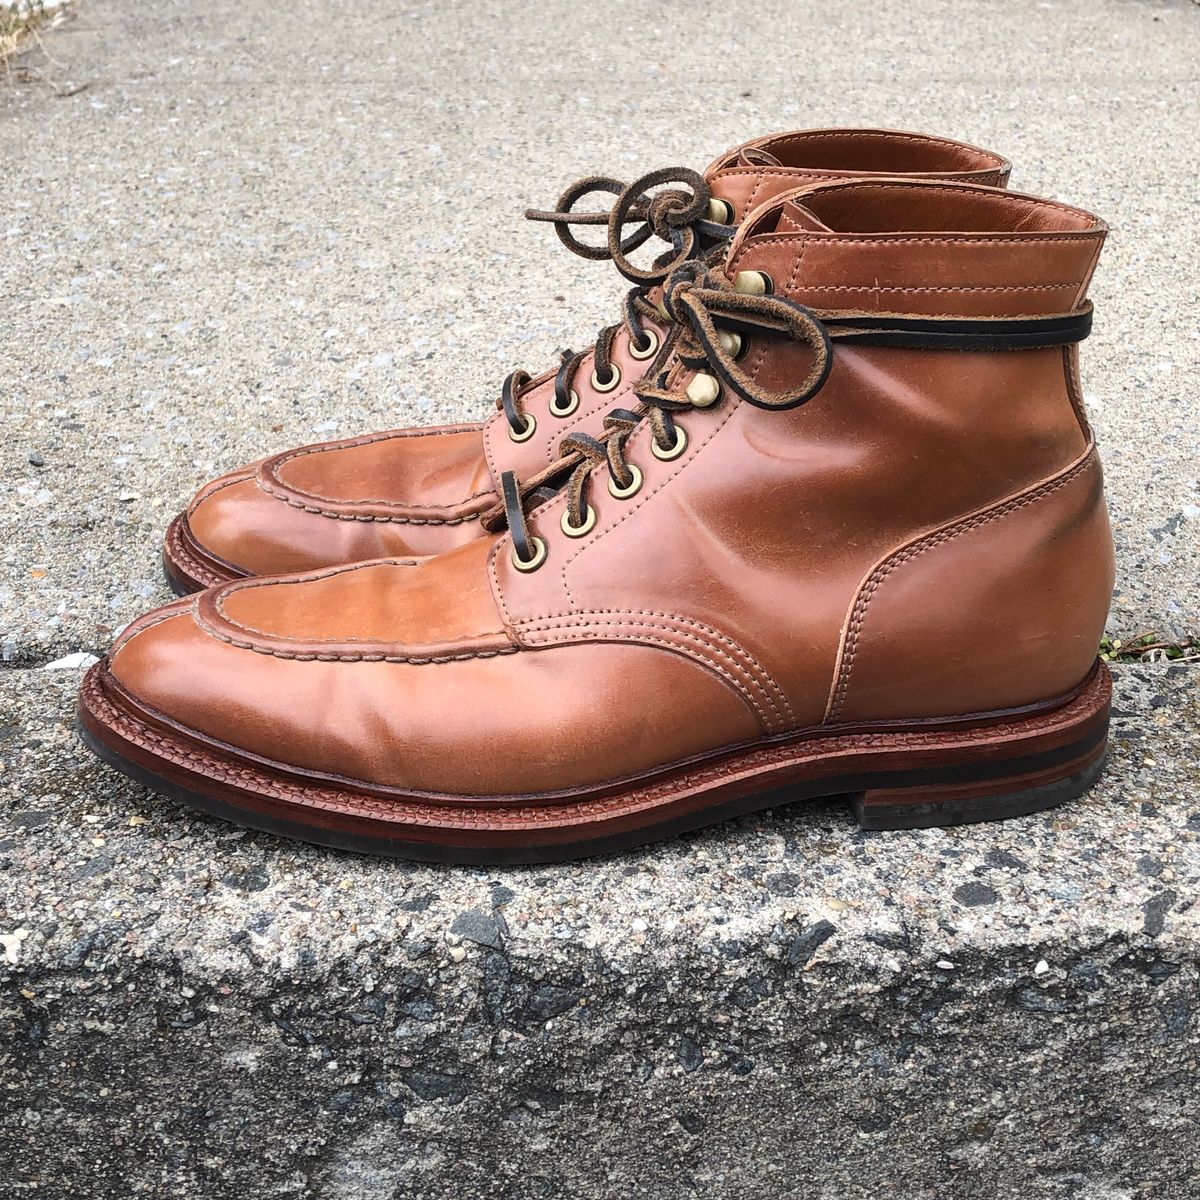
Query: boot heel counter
[[998, 610]]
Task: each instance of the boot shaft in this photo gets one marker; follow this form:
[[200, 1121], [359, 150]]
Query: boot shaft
[[734, 183], [753, 173], [926, 534]]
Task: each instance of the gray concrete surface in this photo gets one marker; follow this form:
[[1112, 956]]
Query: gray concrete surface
[[258, 221], [234, 226], [783, 1007]]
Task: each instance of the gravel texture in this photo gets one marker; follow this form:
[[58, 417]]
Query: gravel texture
[[235, 226], [261, 224], [780, 1007]]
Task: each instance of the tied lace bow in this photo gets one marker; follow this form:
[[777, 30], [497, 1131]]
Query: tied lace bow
[[683, 215]]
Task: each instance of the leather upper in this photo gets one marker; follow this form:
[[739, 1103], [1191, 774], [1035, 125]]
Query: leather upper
[[924, 538], [421, 491], [751, 174]]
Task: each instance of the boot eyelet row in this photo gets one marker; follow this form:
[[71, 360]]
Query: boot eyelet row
[[578, 531], [607, 385], [530, 564], [525, 434], [567, 409], [653, 342], [672, 451]]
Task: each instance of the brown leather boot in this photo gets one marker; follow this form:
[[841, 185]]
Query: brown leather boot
[[423, 491], [854, 541]]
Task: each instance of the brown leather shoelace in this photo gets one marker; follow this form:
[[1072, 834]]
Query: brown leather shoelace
[[678, 215], [711, 318], [695, 299]]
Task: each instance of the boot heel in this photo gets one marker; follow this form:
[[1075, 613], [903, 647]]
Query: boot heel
[[1003, 770]]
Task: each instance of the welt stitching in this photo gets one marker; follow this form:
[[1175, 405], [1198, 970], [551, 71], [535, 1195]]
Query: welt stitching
[[181, 556], [738, 685], [378, 518], [414, 804], [668, 622], [927, 543]]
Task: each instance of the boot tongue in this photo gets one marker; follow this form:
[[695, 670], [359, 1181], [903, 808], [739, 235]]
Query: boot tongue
[[751, 156], [789, 217], [795, 217]]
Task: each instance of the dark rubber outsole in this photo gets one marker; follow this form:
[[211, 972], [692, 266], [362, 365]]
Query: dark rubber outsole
[[894, 779]]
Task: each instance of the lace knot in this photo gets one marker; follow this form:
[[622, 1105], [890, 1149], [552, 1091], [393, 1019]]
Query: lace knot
[[677, 215]]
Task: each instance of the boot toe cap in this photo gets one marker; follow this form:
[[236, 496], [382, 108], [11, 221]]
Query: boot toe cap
[[240, 530]]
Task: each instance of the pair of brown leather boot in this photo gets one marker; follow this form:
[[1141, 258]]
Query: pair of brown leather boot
[[820, 515]]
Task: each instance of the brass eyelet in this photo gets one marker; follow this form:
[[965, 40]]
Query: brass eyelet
[[527, 432], [674, 450], [730, 342], [532, 564], [589, 523], [720, 211], [753, 283], [650, 351], [704, 390], [614, 378], [571, 405], [634, 485]]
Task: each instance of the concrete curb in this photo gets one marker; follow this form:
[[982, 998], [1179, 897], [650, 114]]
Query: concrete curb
[[780, 1007]]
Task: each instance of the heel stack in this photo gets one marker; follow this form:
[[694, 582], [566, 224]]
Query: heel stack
[[1006, 769]]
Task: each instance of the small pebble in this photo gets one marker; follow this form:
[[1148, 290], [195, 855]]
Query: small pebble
[[11, 945], [72, 662]]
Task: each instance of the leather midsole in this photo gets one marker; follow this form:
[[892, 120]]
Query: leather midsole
[[1008, 749], [186, 560]]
